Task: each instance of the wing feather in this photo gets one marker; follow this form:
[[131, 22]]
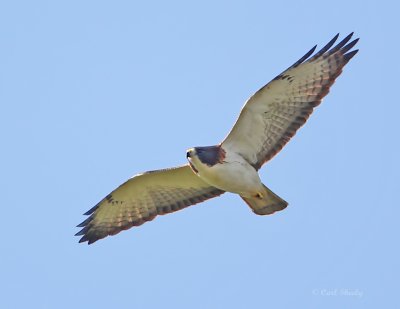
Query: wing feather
[[142, 198], [273, 114]]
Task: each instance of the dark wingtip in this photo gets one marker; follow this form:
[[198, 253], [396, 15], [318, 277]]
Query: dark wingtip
[[92, 241], [85, 222], [349, 46], [88, 233], [82, 231], [341, 44], [350, 55], [91, 210], [348, 37], [86, 239], [85, 226], [326, 47], [302, 59], [83, 239]]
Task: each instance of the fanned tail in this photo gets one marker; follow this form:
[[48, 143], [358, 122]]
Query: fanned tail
[[267, 204]]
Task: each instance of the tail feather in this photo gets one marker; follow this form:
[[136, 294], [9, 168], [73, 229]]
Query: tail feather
[[267, 204]]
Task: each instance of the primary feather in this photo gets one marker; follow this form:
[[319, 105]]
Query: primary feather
[[266, 123], [275, 112], [142, 198]]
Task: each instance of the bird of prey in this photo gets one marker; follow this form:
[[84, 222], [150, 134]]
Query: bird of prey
[[266, 123]]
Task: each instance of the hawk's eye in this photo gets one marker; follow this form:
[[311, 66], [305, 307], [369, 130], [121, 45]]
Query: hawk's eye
[[188, 154]]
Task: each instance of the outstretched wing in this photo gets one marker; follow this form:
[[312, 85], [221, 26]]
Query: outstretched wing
[[274, 113], [142, 198]]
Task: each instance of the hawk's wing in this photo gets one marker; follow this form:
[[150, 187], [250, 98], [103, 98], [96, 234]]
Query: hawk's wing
[[142, 198], [274, 113]]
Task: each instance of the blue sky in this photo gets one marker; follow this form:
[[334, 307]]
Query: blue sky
[[93, 92]]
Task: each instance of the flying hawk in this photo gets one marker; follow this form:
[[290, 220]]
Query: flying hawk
[[266, 123]]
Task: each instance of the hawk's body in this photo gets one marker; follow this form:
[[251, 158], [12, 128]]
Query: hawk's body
[[232, 173], [266, 123]]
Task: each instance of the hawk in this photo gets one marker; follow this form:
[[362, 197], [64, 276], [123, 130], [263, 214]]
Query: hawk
[[266, 123]]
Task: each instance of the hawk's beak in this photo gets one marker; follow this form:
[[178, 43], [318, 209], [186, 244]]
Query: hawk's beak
[[190, 153]]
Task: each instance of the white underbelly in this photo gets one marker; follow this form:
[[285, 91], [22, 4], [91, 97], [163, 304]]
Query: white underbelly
[[234, 177]]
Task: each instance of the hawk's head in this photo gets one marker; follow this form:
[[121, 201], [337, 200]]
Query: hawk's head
[[205, 156]]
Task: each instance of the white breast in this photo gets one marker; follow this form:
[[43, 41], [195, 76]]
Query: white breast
[[233, 175]]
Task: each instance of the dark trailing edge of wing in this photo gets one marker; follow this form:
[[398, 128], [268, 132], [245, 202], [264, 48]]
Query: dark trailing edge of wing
[[341, 55], [91, 233], [325, 52]]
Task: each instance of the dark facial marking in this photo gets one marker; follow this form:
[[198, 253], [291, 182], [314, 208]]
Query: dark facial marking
[[210, 155]]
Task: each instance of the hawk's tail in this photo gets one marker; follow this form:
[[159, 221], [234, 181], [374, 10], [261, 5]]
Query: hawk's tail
[[267, 204]]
